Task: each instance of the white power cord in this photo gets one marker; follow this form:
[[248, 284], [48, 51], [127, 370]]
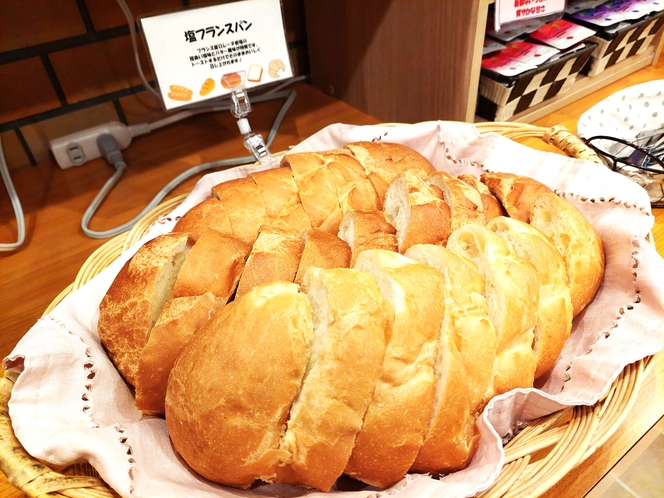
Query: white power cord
[[16, 204], [111, 151]]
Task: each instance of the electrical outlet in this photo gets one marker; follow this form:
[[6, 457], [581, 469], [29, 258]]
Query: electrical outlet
[[80, 147]]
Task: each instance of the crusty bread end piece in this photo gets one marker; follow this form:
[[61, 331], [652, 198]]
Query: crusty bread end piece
[[221, 418], [136, 297]]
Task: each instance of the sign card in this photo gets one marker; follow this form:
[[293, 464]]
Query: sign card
[[195, 53]]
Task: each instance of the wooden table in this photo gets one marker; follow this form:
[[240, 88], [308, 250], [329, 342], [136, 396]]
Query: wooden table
[[54, 201]]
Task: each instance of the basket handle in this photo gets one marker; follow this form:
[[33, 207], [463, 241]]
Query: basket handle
[[558, 136]]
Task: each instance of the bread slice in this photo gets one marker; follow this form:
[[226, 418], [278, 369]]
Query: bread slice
[[352, 324], [491, 205], [322, 250], [464, 201], [207, 214], [180, 319], [244, 205], [317, 190], [383, 161], [281, 200], [576, 239], [512, 295], [354, 189], [231, 389], [464, 363], [554, 311], [368, 229], [466, 319], [136, 297], [578, 243], [419, 213], [398, 416], [516, 193], [275, 256], [214, 265]]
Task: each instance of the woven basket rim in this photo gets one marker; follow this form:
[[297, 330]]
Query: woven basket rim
[[570, 436]]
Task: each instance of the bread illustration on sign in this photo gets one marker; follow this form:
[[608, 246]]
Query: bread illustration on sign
[[384, 303]]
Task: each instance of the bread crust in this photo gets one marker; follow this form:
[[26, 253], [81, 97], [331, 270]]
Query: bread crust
[[578, 243], [490, 203], [207, 214], [222, 420], [244, 206], [322, 250], [180, 319], [214, 264], [368, 229], [516, 193], [354, 189], [383, 161], [464, 200], [351, 326], [419, 213], [136, 297], [317, 190], [274, 256], [281, 199], [512, 294], [397, 418]]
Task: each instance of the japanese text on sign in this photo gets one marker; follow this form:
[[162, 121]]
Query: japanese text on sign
[[194, 50], [194, 35], [224, 54], [515, 10]]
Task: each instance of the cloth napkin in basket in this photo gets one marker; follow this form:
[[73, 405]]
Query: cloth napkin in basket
[[69, 403]]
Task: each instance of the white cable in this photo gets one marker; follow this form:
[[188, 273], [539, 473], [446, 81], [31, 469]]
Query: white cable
[[134, 42], [16, 204]]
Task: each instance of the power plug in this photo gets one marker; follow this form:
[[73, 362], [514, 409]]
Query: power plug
[[78, 148]]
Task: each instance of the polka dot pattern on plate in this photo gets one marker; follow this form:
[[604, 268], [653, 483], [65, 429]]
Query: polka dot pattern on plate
[[626, 113]]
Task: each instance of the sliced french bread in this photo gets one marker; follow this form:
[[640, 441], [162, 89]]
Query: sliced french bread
[[397, 418], [136, 297], [512, 295], [352, 324]]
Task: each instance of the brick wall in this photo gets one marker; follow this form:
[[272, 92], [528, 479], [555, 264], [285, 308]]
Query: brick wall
[[66, 65]]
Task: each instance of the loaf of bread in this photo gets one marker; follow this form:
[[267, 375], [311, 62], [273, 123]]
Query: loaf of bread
[[350, 311]]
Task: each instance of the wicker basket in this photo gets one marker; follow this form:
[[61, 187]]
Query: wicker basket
[[536, 459]]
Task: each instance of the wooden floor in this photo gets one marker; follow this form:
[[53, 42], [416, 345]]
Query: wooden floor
[[54, 201]]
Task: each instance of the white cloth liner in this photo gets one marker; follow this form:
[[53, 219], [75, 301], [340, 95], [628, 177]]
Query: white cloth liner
[[69, 403]]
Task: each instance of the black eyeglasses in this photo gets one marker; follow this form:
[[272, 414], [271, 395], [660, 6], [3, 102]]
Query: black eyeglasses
[[640, 160]]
